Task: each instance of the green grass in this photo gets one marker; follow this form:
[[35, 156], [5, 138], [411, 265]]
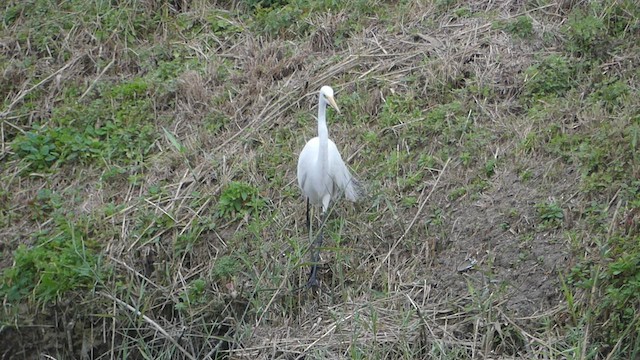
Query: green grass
[[61, 260]]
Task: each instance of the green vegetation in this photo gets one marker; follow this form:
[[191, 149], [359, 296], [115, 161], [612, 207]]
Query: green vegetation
[[61, 260], [239, 199], [552, 76], [49, 270], [550, 214], [115, 127], [149, 206], [521, 26]]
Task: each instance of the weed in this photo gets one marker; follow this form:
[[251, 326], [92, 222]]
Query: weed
[[118, 131], [586, 32], [620, 280], [60, 261], [490, 167], [457, 193], [225, 267], [445, 5], [397, 110], [289, 18], [526, 175], [463, 12], [193, 296], [521, 26], [276, 20], [409, 201], [449, 121], [238, 200], [610, 94], [38, 148], [553, 76], [45, 203], [550, 214]]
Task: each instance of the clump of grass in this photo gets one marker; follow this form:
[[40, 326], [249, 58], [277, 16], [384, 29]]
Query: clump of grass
[[586, 33], [115, 127], [596, 29], [63, 259], [193, 296], [552, 76], [521, 26], [238, 200], [550, 213]]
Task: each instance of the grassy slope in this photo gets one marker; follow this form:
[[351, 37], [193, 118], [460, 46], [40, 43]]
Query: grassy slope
[[148, 198]]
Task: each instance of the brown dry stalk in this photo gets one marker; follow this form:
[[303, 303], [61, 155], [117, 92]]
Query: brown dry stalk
[[26, 92], [152, 323], [415, 217]]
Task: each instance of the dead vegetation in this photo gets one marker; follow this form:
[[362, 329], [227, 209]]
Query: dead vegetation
[[476, 209]]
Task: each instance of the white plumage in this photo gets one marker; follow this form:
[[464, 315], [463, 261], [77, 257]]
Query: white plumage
[[322, 174]]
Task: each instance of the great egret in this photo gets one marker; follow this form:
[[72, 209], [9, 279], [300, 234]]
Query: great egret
[[322, 175]]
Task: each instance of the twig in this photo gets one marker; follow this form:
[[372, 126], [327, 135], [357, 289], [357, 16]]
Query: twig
[[426, 324], [519, 328], [624, 335], [26, 92], [329, 331], [113, 60], [413, 221], [152, 323]]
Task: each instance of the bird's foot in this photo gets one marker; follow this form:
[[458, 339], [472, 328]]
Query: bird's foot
[[313, 279]]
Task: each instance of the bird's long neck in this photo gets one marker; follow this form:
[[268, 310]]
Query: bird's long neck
[[323, 135]]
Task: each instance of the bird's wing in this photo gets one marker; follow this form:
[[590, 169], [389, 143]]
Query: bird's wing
[[305, 161], [340, 174], [302, 179]]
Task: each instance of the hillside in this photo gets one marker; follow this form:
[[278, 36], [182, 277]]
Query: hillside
[[149, 207]]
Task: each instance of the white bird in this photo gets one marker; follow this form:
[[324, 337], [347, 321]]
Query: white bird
[[322, 174]]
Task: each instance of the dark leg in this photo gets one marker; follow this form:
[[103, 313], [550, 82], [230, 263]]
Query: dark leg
[[315, 256], [308, 218]]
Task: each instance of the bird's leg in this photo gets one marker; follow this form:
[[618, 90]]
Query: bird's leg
[[315, 255], [308, 218]]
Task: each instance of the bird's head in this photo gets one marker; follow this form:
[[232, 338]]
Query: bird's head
[[327, 93]]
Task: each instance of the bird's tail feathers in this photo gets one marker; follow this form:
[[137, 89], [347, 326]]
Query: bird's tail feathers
[[354, 190]]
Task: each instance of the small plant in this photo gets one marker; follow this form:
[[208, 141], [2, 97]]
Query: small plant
[[457, 193], [618, 274], [194, 295], [238, 200], [449, 120], [522, 26], [38, 149], [114, 127], [551, 214], [466, 158], [275, 20], [55, 265], [462, 12], [611, 95], [552, 76], [490, 167], [45, 202], [409, 201], [398, 109], [444, 5], [224, 267], [586, 33]]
